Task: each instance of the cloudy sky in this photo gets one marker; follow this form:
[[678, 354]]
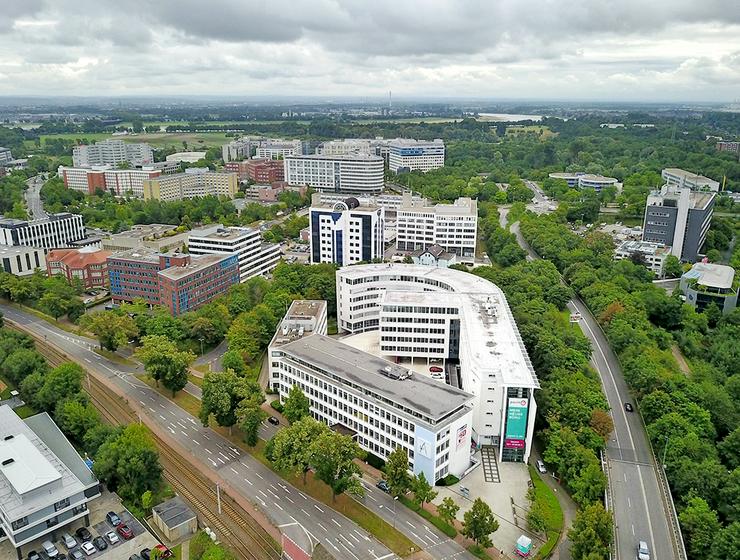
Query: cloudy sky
[[653, 50]]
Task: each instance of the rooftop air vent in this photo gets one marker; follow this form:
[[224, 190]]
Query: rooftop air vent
[[8, 462], [6, 438]]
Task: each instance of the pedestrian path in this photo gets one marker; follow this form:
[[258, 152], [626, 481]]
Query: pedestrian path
[[490, 466]]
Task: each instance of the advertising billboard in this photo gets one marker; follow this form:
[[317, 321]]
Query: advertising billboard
[[516, 423], [462, 431]]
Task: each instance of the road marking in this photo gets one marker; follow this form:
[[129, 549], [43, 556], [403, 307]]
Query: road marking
[[354, 537], [142, 403], [150, 408], [244, 465], [335, 522], [369, 495], [183, 433], [305, 513], [318, 508], [625, 477], [410, 524], [629, 503], [195, 441], [260, 476], [209, 451], [291, 501], [633, 530], [162, 417], [288, 524], [233, 470], [324, 528], [261, 492], [171, 430], [278, 506], [221, 460], [247, 481]]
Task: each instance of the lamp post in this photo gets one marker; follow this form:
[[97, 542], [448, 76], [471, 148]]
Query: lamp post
[[201, 345], [395, 499]]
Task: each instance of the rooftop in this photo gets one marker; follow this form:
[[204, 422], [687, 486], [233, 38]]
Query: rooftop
[[712, 275], [412, 142], [463, 205], [219, 231], [688, 175], [382, 378], [139, 254], [197, 262], [437, 251], [343, 157], [23, 465], [145, 230], [300, 320], [10, 250], [77, 258], [174, 512], [5, 222], [645, 247]]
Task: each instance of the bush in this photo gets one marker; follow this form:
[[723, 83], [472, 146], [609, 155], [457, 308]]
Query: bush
[[440, 524], [449, 480], [375, 461], [277, 406]]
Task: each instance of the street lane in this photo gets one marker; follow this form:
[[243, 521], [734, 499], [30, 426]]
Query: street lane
[[33, 198]]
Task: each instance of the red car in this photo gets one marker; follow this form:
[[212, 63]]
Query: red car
[[125, 531], [164, 552], [436, 369]]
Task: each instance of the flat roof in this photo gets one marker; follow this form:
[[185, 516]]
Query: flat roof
[[219, 231], [646, 247], [306, 308], [197, 262], [365, 372], [688, 175], [174, 512], [23, 465], [345, 157], [17, 249], [712, 275], [137, 254]]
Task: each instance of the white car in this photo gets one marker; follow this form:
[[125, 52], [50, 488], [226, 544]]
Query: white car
[[111, 537], [541, 466], [643, 552], [88, 548], [69, 541]]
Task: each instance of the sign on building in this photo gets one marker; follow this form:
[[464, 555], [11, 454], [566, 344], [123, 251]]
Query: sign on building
[[516, 423]]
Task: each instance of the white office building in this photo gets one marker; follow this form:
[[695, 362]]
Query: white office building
[[378, 403], [685, 179], [454, 320], [453, 227], [345, 232], [405, 154], [255, 257], [347, 147], [112, 152], [56, 230], [278, 149], [653, 255], [44, 483], [236, 150], [349, 174], [119, 182], [586, 180], [21, 260]]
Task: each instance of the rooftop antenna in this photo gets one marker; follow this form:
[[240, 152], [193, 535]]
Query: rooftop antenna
[[390, 99]]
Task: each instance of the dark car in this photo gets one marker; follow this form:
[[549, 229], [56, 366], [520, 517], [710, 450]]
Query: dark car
[[125, 531], [146, 553], [274, 421], [134, 557], [76, 554], [112, 518], [628, 407], [100, 543], [383, 485], [83, 534], [33, 555]]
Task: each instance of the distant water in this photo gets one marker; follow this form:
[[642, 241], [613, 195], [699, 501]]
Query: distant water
[[505, 117]]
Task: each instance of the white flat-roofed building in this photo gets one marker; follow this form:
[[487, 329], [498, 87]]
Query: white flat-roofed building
[[119, 182], [707, 283], [56, 230], [44, 483], [21, 260], [387, 201], [453, 227], [586, 180], [350, 174], [304, 317], [652, 254], [236, 150], [278, 149], [455, 319], [186, 157], [685, 179], [255, 257], [195, 182], [345, 232], [345, 147], [112, 152], [405, 154]]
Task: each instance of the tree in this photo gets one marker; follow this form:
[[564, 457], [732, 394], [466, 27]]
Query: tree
[[447, 510], [290, 448], [332, 457], [297, 405], [591, 533], [250, 416], [423, 491], [479, 523], [727, 543], [672, 267], [700, 525], [222, 394], [164, 362], [397, 472], [62, 382], [233, 360], [112, 329], [536, 520], [729, 449], [52, 304], [21, 363], [76, 418]]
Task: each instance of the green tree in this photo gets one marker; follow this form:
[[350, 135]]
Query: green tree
[[222, 394], [52, 304], [332, 457], [479, 523], [727, 543], [397, 472], [290, 448], [672, 267], [447, 510], [112, 329], [76, 418], [700, 526], [591, 533], [21, 363], [423, 491], [164, 362], [296, 405], [250, 416], [60, 383], [233, 360]]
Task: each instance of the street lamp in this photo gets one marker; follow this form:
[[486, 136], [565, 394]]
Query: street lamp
[[201, 345], [395, 499]]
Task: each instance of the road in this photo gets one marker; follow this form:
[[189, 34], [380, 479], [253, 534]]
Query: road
[[299, 516], [33, 198], [639, 511]]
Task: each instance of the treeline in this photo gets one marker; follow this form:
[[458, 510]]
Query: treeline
[[51, 295], [692, 416], [12, 188]]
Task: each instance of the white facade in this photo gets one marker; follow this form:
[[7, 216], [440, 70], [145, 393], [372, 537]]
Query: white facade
[[112, 152], [20, 260], [236, 150], [345, 233], [277, 149], [346, 174], [56, 230], [387, 201], [446, 316], [255, 257], [415, 155], [453, 227], [586, 180], [680, 178], [346, 147], [653, 254]]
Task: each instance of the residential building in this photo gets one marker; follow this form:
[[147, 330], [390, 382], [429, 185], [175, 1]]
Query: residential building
[[255, 257], [350, 174], [44, 483], [453, 227], [652, 255], [278, 149], [158, 237], [238, 167], [265, 171], [236, 150], [708, 283], [119, 182], [186, 157], [345, 232], [112, 152], [88, 265], [586, 180], [679, 178], [679, 218], [347, 146], [195, 182], [56, 230], [405, 154], [381, 405], [434, 255], [722, 146], [5, 155], [266, 193], [422, 316], [21, 260]]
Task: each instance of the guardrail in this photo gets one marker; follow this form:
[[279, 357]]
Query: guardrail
[[608, 500]]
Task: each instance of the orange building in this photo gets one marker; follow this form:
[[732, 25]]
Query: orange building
[[89, 265]]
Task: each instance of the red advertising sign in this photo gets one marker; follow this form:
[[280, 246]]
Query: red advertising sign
[[514, 443]]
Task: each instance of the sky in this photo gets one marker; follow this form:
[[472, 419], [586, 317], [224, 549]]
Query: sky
[[610, 50]]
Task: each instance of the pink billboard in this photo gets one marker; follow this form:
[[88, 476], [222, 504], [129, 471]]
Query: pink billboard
[[514, 443]]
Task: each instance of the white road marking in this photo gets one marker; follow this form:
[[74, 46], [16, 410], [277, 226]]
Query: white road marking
[[233, 470], [247, 481], [260, 476], [195, 441], [335, 522], [278, 506], [324, 528], [318, 508], [291, 501], [209, 451]]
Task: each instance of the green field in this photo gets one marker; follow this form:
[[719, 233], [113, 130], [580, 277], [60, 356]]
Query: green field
[[195, 140]]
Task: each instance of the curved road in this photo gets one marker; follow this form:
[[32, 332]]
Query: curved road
[[33, 198]]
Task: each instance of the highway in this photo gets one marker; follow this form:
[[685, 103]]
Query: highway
[[637, 503], [297, 515], [33, 198]]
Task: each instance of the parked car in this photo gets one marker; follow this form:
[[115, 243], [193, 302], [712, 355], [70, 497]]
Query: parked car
[[146, 553], [50, 549], [134, 557], [274, 421], [643, 552], [88, 548], [125, 531], [541, 466], [436, 369], [383, 485], [69, 541], [76, 554], [100, 543], [83, 534], [112, 518], [164, 552], [111, 537], [628, 407], [33, 555]]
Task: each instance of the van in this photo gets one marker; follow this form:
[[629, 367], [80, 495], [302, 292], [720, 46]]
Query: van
[[50, 549]]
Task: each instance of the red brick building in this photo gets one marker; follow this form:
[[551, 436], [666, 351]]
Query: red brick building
[[241, 168], [265, 171], [89, 265]]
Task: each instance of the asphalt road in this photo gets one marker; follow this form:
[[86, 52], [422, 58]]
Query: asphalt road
[[639, 513], [33, 198], [299, 516]]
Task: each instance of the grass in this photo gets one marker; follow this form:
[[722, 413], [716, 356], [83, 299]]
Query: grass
[[113, 357], [552, 511], [195, 380], [203, 368], [176, 552], [439, 523], [184, 400], [478, 552], [23, 411]]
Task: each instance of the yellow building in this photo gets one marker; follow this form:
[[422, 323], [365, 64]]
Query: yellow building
[[194, 182]]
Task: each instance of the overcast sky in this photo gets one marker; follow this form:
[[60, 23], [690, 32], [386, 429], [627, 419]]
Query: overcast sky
[[651, 50]]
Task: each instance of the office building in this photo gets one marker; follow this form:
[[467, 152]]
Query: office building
[[88, 265], [708, 283], [278, 149], [112, 152], [391, 202], [586, 180], [379, 404], [265, 193], [195, 182], [724, 146], [652, 255], [346, 232], [460, 322], [5, 156], [20, 260], [255, 257], [679, 218], [265, 171], [358, 175], [56, 230], [454, 227], [186, 157], [405, 154], [238, 167], [119, 182], [685, 179], [236, 150], [346, 147], [44, 483], [158, 237]]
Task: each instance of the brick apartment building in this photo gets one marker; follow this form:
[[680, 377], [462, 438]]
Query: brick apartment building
[[89, 265], [265, 171]]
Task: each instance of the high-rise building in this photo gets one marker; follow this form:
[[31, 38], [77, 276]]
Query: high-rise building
[[345, 232], [680, 178], [405, 154], [195, 182], [353, 174], [278, 149], [679, 218], [112, 152], [454, 227], [56, 230], [236, 150], [255, 257]]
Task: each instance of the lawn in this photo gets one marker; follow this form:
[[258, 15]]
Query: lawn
[[552, 512], [440, 524], [113, 357]]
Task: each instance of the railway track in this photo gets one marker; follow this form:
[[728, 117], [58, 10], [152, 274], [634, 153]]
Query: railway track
[[234, 526]]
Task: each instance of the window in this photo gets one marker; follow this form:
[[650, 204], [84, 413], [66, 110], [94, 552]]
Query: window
[[61, 504], [18, 523]]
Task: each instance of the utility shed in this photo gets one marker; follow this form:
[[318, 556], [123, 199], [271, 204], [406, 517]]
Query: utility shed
[[175, 519]]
